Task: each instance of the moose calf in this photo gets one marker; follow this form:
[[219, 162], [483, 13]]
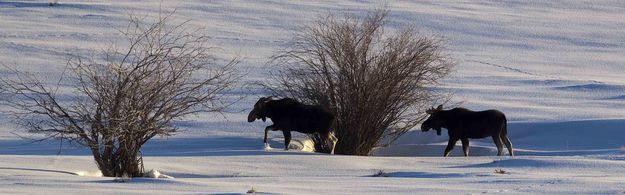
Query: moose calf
[[462, 124], [290, 115]]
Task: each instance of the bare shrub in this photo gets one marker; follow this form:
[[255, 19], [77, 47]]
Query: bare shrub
[[377, 83], [380, 173], [122, 100], [251, 191], [53, 2], [500, 171]]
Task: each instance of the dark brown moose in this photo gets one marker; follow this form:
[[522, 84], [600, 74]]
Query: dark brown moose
[[464, 124], [290, 115]]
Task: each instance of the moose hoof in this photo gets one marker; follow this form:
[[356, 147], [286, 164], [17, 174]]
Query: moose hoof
[[267, 147]]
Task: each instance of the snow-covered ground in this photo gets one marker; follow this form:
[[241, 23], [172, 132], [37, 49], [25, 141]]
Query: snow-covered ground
[[554, 67]]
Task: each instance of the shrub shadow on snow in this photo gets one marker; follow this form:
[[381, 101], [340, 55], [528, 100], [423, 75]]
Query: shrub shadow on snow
[[137, 180], [408, 174], [47, 147], [215, 146], [36, 170], [201, 146], [181, 175]]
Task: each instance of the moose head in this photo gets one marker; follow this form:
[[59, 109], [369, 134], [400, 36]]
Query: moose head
[[435, 121], [259, 111]]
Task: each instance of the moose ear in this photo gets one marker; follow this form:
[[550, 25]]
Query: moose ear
[[440, 107]]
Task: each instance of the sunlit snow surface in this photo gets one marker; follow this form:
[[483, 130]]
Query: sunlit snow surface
[[554, 67]]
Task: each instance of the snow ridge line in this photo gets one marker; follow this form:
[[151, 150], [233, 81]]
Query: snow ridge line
[[508, 68], [530, 73]]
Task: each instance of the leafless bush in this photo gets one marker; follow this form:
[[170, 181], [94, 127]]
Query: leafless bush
[[122, 100], [251, 191], [500, 171], [380, 173], [53, 2], [377, 83]]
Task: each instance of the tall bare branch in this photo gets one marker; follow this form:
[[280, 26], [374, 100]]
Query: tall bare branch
[[127, 97], [377, 83]]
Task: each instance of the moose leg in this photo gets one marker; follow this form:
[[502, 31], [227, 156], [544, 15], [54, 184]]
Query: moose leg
[[450, 146], [267, 129], [498, 143], [506, 141], [465, 146], [334, 140], [287, 139]]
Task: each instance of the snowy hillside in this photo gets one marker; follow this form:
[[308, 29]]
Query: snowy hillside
[[554, 67]]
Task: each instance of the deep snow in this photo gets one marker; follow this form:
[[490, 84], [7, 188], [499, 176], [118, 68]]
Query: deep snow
[[554, 67]]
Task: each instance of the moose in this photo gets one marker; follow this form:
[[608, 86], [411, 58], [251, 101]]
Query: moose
[[289, 115], [464, 124]]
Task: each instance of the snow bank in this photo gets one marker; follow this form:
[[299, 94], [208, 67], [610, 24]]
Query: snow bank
[[156, 174], [96, 173]]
